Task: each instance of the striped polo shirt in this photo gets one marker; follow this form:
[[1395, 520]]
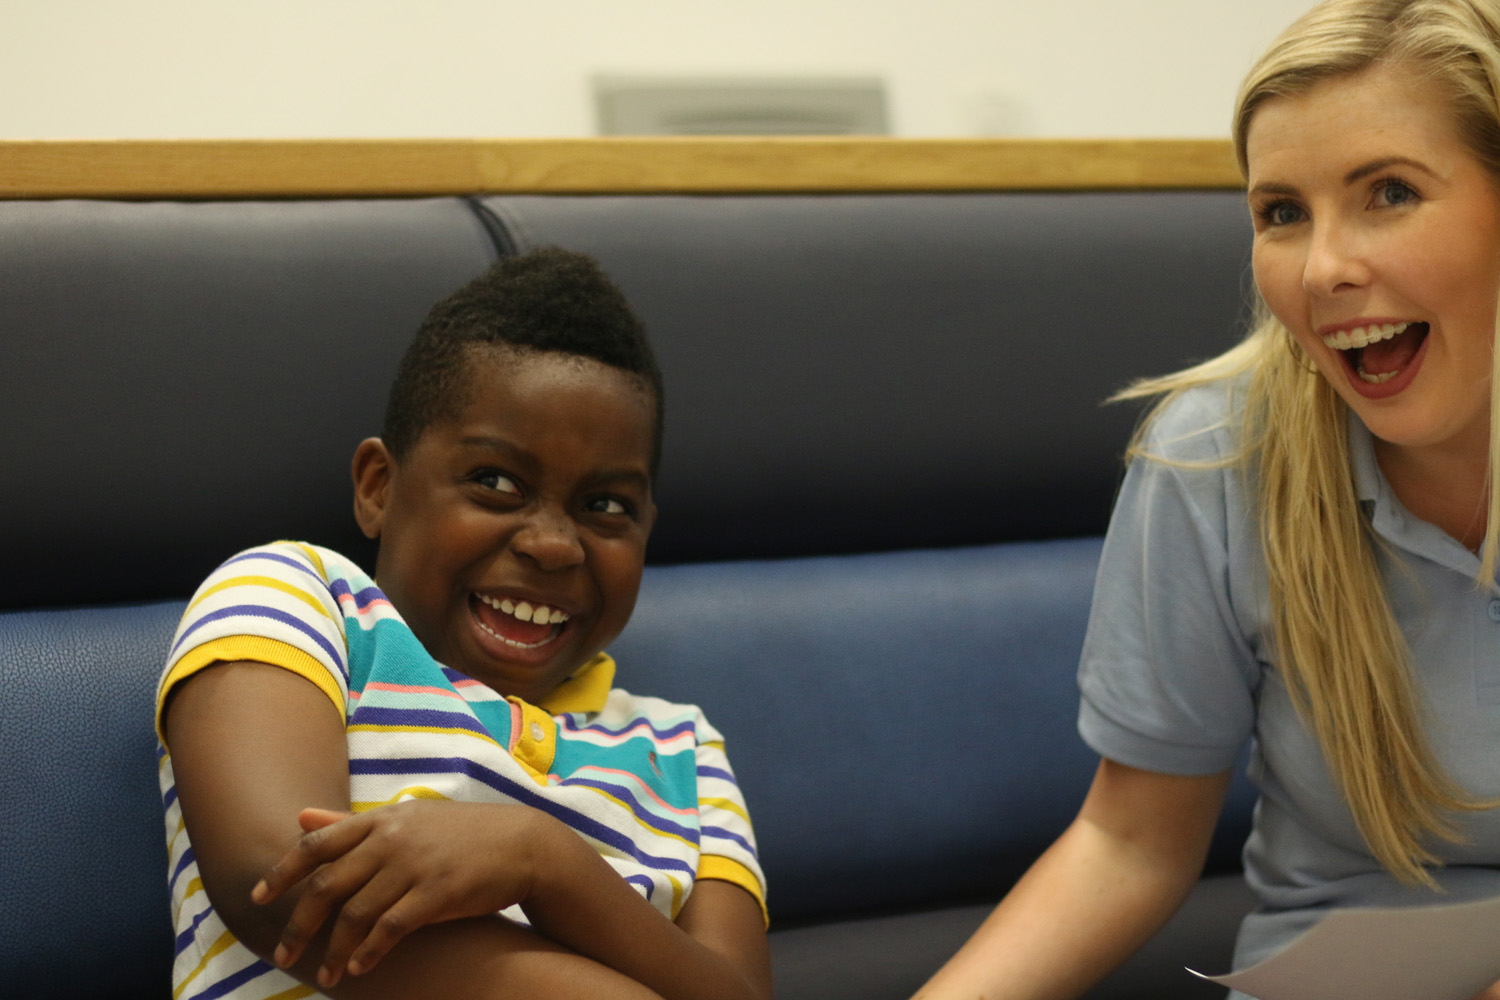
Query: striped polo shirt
[[643, 780]]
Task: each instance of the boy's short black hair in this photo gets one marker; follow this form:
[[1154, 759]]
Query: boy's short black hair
[[549, 300]]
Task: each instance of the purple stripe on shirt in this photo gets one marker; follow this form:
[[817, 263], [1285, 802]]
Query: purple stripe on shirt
[[294, 563], [261, 611], [188, 857], [705, 771], [379, 715], [585, 825], [686, 726], [186, 937], [230, 983], [722, 834], [647, 886], [642, 816], [362, 600]]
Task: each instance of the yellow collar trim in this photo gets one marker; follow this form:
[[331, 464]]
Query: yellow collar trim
[[586, 690]]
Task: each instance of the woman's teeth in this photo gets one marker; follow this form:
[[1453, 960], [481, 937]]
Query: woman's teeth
[[538, 614], [1363, 336]]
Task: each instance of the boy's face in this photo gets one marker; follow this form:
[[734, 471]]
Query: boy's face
[[534, 503]]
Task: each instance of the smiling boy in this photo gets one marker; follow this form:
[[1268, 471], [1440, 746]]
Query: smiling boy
[[482, 812]]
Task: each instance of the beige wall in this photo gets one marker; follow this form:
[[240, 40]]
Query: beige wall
[[472, 68]]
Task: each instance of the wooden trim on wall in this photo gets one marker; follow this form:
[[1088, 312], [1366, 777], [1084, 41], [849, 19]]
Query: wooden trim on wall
[[411, 167]]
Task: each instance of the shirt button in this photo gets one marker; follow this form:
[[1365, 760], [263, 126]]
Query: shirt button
[[1495, 610], [538, 733]]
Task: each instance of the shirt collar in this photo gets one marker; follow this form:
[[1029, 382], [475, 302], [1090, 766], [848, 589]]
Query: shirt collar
[[1392, 521], [585, 691]]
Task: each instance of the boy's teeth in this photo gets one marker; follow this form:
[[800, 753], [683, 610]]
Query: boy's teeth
[[539, 614], [1363, 336]]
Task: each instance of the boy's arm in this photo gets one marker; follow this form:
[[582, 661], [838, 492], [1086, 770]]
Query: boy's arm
[[716, 948], [252, 745], [373, 878]]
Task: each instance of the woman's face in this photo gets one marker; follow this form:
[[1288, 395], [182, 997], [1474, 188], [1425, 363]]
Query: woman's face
[[1377, 244]]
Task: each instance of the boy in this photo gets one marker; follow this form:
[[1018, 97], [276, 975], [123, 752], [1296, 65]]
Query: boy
[[472, 702]]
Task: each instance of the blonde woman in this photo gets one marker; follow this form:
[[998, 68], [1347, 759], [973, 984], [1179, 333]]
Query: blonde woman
[[1304, 549]]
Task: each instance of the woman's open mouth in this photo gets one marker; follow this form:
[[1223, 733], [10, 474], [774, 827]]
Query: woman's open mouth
[[1379, 353], [520, 624]]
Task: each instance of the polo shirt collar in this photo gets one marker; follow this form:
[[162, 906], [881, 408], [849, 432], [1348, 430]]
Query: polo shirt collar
[[585, 691], [1392, 521]]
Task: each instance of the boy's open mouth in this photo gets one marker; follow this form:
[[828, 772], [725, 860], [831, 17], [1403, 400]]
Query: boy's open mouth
[[517, 623], [1379, 352]]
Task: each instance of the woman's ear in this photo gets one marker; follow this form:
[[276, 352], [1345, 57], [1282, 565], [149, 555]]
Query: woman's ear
[[372, 469]]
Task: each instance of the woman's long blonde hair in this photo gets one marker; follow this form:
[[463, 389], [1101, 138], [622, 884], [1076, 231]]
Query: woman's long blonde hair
[[1338, 645]]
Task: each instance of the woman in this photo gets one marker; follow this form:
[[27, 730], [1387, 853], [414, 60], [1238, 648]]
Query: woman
[[1295, 551]]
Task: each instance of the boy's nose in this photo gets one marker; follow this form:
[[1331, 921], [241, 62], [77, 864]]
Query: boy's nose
[[549, 538]]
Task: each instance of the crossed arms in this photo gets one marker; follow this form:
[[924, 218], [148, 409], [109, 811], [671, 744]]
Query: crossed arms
[[401, 901]]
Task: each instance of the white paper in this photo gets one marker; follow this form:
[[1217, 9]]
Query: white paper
[[1449, 952]]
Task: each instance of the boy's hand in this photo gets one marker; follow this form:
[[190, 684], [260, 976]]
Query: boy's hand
[[394, 869]]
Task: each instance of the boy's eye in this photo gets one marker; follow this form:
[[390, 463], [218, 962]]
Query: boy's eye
[[608, 505], [496, 480]]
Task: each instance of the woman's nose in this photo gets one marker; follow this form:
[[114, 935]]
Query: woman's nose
[[1334, 261]]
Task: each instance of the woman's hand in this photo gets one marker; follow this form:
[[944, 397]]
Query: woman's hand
[[394, 869], [1493, 993]]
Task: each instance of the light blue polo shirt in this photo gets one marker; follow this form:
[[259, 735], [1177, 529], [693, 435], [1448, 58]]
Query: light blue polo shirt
[[1176, 672]]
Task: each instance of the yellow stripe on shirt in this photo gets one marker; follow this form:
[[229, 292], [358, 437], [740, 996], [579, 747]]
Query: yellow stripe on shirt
[[225, 940], [253, 649], [724, 869], [269, 582], [726, 804]]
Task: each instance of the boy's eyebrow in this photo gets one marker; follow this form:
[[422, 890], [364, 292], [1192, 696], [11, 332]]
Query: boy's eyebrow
[[481, 441], [496, 445], [626, 473], [633, 476]]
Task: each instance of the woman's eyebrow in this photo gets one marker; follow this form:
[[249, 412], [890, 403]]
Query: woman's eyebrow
[[1375, 166], [1359, 173], [1273, 187]]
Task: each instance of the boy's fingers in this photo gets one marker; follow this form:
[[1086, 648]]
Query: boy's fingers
[[368, 909], [397, 922], [312, 818], [316, 847], [323, 891]]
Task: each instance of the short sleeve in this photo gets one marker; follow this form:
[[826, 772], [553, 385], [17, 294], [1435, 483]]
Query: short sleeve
[[272, 604], [1168, 674], [727, 841]]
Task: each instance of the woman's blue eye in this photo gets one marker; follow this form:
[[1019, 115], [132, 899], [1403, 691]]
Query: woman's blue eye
[[1393, 193], [1283, 213]]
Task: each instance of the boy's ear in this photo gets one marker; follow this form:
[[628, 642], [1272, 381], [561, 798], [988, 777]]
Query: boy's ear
[[372, 469]]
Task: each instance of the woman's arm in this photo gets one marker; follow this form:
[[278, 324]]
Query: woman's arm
[[1099, 892], [252, 745]]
